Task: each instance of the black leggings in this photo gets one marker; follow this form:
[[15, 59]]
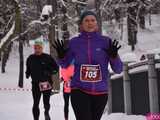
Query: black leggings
[[36, 93], [66, 104], [86, 106]]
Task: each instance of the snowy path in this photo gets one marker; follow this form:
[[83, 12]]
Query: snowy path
[[18, 106]]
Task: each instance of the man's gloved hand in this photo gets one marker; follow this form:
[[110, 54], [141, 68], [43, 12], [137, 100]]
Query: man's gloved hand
[[113, 49], [27, 76], [60, 48]]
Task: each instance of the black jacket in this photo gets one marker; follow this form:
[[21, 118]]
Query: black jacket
[[40, 67]]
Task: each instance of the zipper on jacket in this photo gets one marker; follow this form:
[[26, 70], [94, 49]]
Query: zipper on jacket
[[89, 50], [89, 59]]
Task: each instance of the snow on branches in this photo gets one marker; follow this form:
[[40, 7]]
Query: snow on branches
[[6, 37]]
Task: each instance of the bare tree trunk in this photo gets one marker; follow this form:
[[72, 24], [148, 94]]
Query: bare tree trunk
[[150, 19], [99, 15], [142, 17], [4, 60], [5, 57], [0, 55], [52, 31], [65, 25], [142, 22], [19, 30], [52, 37], [21, 63], [39, 7], [121, 27], [132, 25]]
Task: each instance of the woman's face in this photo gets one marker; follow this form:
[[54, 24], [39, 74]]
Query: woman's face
[[89, 23]]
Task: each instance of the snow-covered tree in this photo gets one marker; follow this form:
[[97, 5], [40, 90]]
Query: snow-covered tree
[[134, 10]]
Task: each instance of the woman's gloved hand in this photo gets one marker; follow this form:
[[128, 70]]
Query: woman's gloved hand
[[113, 49], [60, 48]]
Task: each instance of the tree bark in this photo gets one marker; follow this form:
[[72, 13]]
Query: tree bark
[[39, 7], [19, 30], [132, 25], [99, 16], [4, 60], [5, 56], [21, 63], [142, 17], [52, 37], [52, 31], [0, 55], [65, 25]]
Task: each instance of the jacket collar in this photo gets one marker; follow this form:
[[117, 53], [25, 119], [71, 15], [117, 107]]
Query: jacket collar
[[89, 34]]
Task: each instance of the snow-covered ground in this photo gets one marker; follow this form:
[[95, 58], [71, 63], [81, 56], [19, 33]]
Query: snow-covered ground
[[17, 104]]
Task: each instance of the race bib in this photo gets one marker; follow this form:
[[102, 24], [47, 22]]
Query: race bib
[[44, 86], [90, 73]]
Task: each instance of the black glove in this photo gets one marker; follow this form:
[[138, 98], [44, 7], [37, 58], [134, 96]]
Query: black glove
[[113, 49], [27, 76], [60, 48]]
